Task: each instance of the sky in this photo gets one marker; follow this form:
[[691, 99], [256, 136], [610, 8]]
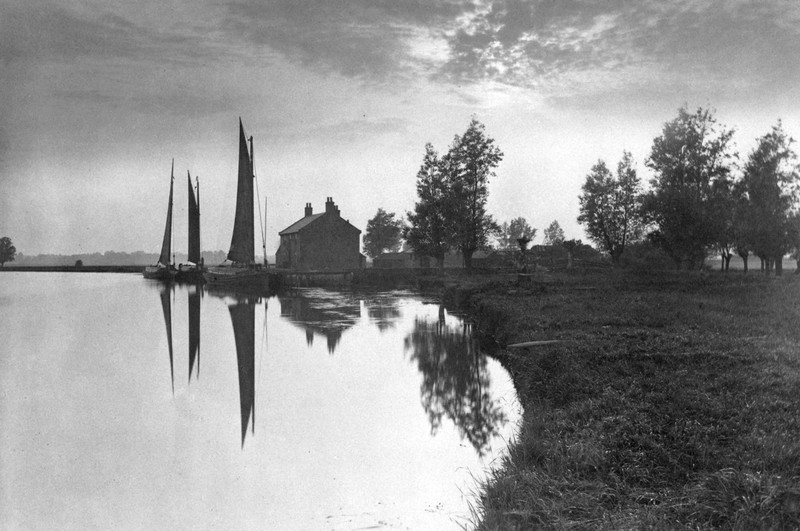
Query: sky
[[98, 97]]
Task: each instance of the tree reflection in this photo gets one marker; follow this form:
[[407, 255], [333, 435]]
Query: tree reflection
[[323, 313], [383, 311], [455, 380]]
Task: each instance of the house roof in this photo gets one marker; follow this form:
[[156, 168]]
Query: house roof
[[302, 222]]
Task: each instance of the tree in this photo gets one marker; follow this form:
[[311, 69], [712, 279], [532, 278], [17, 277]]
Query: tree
[[511, 232], [467, 166], [7, 250], [690, 155], [429, 231], [383, 233], [553, 234], [609, 206], [771, 182]]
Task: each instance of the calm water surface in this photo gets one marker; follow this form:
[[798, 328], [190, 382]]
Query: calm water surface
[[128, 405]]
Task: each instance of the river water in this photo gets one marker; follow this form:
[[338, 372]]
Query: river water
[[125, 404]]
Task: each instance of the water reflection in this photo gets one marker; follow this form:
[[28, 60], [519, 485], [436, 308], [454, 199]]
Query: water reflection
[[383, 310], [455, 382], [320, 312], [194, 330], [166, 306], [243, 317]]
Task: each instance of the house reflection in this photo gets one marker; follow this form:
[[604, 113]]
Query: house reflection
[[455, 380], [323, 313]]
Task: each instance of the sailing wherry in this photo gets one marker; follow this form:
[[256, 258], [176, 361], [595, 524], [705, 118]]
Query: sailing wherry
[[193, 270], [240, 268], [164, 269]]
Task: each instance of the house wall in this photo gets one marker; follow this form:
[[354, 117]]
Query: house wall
[[329, 243]]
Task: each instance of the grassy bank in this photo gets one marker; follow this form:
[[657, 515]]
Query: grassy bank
[[673, 401]]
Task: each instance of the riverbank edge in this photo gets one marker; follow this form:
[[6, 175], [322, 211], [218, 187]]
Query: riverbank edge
[[555, 474]]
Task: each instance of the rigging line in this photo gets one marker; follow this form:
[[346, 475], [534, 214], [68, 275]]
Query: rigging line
[[258, 200]]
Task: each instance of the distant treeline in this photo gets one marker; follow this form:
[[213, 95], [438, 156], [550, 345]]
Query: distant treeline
[[109, 258]]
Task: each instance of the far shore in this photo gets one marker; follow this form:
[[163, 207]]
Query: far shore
[[75, 269]]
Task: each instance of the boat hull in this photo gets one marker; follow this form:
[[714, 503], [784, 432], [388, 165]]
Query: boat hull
[[239, 277], [159, 273], [189, 275]]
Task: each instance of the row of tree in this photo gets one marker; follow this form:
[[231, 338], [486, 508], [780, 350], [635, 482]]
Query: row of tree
[[450, 212], [700, 198]]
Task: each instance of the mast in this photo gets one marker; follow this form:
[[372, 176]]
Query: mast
[[242, 247]]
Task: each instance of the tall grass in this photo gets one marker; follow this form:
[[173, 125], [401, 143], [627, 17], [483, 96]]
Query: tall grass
[[672, 402]]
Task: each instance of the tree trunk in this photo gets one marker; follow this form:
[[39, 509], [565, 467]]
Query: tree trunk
[[722, 262], [778, 265], [467, 254], [728, 261]]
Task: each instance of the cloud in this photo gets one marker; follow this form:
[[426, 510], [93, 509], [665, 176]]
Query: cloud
[[48, 32], [587, 46], [360, 38]]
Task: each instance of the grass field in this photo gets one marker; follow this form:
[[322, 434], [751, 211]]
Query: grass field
[[671, 402]]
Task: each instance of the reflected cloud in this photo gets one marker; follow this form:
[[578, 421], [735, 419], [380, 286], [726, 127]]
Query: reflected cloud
[[321, 312], [456, 383]]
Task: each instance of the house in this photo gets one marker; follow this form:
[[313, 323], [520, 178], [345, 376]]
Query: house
[[320, 242]]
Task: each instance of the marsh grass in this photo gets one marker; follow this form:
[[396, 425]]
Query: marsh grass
[[673, 402]]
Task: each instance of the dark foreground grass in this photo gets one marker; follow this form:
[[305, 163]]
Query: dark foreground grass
[[673, 402]]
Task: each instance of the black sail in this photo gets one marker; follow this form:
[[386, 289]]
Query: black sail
[[166, 244], [243, 317], [194, 224], [242, 246]]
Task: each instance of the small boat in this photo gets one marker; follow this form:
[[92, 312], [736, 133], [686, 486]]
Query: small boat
[[240, 268], [164, 269], [193, 270]]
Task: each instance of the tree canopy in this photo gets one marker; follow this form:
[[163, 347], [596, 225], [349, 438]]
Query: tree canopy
[[770, 181], [452, 192], [429, 230], [468, 166], [692, 153], [7, 250], [510, 232], [383, 233], [553, 234], [609, 206]]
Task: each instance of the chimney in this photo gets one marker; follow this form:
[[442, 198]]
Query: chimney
[[330, 206], [309, 210]]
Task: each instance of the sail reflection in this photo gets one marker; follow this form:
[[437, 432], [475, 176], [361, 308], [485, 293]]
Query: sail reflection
[[243, 318], [319, 312], [455, 380], [166, 306], [194, 331]]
